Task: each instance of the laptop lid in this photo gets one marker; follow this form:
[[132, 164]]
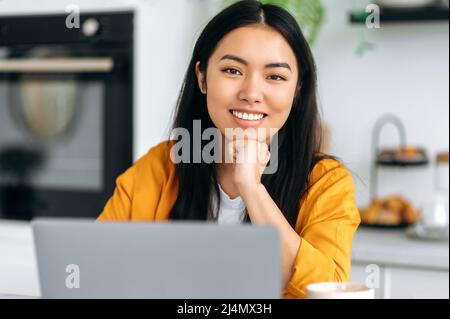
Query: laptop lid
[[84, 259]]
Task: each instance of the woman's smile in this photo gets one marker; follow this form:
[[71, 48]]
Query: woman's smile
[[246, 119]]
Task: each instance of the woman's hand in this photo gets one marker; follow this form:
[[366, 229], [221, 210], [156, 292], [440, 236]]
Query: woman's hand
[[250, 156]]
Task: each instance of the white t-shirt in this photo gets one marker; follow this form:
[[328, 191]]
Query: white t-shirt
[[232, 211]]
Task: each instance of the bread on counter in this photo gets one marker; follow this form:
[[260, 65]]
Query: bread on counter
[[391, 211]]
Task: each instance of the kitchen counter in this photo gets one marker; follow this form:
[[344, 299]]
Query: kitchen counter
[[19, 275], [18, 268], [393, 247]]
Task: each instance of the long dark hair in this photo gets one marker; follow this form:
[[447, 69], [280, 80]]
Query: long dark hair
[[298, 140]]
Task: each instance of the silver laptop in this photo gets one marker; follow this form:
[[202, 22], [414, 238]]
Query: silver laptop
[[84, 259]]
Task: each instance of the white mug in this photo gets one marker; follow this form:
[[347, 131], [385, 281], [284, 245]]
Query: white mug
[[339, 290]]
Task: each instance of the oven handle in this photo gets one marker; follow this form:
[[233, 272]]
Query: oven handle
[[57, 65]]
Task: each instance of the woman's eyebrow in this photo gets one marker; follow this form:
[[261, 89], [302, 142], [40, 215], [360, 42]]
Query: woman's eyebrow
[[242, 61]]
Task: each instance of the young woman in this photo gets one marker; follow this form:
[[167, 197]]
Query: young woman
[[252, 69]]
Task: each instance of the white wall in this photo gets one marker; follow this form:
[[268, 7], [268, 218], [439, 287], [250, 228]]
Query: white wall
[[406, 74], [21, 7], [166, 35]]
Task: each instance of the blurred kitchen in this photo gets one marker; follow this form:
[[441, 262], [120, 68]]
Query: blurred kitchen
[[81, 100]]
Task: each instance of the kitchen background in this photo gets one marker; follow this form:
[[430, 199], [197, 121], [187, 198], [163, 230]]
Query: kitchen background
[[399, 68]]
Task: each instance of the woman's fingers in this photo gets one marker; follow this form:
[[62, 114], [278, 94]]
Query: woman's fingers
[[248, 151]]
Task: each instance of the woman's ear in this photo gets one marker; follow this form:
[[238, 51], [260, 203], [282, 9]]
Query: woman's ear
[[200, 78]]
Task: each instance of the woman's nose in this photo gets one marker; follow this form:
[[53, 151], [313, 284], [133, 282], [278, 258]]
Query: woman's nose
[[251, 90]]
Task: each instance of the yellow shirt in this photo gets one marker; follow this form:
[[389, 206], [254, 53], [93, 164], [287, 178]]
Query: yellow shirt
[[327, 220]]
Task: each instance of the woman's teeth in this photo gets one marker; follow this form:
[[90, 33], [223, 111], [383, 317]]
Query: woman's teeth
[[248, 116]]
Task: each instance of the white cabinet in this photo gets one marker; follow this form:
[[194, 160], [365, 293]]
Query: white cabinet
[[367, 274], [18, 268], [398, 266], [412, 284], [401, 282]]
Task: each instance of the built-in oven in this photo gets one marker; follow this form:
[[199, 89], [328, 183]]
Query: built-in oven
[[65, 112]]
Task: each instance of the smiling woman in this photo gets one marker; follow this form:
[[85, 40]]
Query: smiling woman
[[252, 69], [252, 74]]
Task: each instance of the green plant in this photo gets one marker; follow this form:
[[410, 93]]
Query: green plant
[[310, 14], [364, 46]]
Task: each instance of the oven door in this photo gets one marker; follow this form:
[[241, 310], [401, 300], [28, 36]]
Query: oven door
[[65, 129]]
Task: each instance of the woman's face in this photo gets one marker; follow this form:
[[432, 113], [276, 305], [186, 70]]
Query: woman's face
[[251, 80]]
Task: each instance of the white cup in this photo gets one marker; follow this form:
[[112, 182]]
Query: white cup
[[339, 290]]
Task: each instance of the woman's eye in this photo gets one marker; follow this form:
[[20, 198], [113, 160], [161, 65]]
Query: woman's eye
[[232, 71], [276, 78], [237, 72]]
